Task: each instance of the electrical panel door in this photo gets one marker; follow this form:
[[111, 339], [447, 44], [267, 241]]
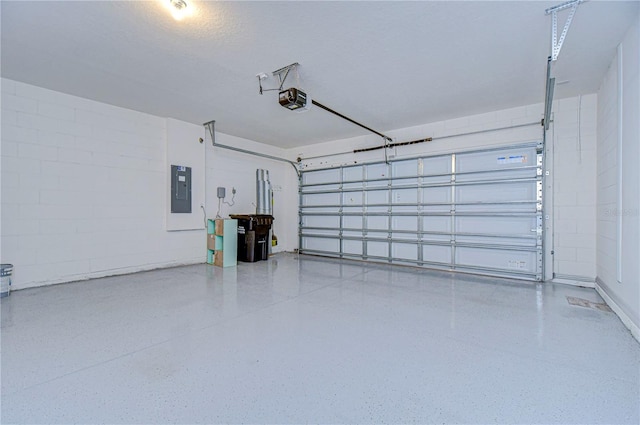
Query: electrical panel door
[[180, 189]]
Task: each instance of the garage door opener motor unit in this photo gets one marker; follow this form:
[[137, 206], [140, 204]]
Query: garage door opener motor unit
[[293, 99]]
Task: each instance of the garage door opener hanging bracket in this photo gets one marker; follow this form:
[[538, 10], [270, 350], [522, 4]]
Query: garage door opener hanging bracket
[[556, 46], [297, 100]]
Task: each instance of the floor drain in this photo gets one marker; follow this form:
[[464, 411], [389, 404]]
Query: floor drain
[[581, 302]]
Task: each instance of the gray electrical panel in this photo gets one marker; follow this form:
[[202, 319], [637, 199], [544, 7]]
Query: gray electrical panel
[[180, 189]]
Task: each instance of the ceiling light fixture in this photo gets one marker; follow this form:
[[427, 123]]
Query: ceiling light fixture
[[179, 9], [178, 4]]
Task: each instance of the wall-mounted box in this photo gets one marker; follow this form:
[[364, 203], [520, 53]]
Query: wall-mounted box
[[180, 189]]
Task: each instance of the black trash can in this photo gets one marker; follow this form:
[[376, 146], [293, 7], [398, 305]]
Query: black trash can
[[253, 236]]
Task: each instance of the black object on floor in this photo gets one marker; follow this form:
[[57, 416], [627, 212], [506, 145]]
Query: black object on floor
[[253, 236]]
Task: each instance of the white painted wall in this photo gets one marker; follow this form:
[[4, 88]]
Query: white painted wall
[[84, 189], [618, 182], [183, 148]]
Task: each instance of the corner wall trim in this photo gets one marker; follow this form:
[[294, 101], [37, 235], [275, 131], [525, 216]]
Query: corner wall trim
[[624, 318]]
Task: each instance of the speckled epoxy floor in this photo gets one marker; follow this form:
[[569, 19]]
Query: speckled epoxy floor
[[313, 340]]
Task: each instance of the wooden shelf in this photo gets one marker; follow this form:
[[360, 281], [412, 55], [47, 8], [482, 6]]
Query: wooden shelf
[[222, 242]]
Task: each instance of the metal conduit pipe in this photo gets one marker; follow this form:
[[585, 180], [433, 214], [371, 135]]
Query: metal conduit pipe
[[210, 125], [429, 139]]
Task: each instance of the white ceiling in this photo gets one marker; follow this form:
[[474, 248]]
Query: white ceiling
[[386, 64]]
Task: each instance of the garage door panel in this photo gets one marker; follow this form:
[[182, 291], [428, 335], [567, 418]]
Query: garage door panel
[[436, 194], [350, 188], [321, 199], [519, 173], [516, 261], [335, 232], [352, 247], [404, 236], [436, 180], [404, 209], [436, 254], [496, 240], [322, 177], [352, 222], [377, 171], [352, 198], [379, 223], [353, 173], [377, 249], [404, 251], [321, 244], [503, 226], [404, 223], [498, 208], [406, 168], [473, 211], [437, 223], [310, 190], [377, 211], [404, 196], [436, 165], [351, 211], [321, 211], [320, 221], [497, 193], [496, 159], [377, 197], [436, 238], [406, 182]]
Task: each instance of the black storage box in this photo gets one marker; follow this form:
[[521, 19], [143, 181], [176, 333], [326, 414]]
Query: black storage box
[[253, 236]]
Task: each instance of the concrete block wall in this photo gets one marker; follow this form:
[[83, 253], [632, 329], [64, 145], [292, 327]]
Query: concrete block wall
[[618, 183], [573, 137], [607, 177], [84, 189]]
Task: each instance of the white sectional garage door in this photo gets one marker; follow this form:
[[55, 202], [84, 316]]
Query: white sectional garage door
[[474, 211]]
